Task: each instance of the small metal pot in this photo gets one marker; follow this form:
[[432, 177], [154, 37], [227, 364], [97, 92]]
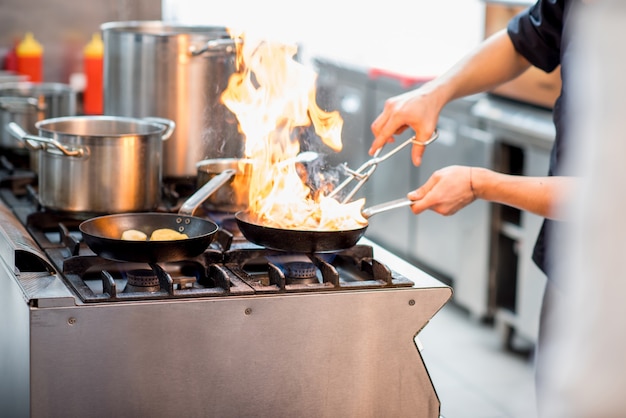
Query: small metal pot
[[26, 103], [99, 164], [232, 196]]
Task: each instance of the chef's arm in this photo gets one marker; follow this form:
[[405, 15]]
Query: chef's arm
[[450, 189], [543, 196], [492, 63]]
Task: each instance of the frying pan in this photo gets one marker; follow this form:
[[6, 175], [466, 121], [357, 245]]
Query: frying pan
[[307, 241], [102, 234]]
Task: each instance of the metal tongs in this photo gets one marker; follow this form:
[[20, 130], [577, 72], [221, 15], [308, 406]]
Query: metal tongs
[[363, 173]]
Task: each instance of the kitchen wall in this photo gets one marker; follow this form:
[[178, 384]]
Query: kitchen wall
[[422, 37]]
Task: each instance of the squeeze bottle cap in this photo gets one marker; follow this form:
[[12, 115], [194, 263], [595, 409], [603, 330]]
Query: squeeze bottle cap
[[95, 47], [29, 46]]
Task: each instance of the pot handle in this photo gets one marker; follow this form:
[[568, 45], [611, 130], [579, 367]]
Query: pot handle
[[222, 44], [19, 133], [11, 104], [210, 187], [170, 125]]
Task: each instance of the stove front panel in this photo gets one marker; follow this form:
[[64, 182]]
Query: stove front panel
[[347, 354], [14, 346]]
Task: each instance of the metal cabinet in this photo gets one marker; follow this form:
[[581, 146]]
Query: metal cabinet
[[524, 136], [518, 282]]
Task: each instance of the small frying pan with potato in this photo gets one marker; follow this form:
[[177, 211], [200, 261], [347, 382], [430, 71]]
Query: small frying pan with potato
[[103, 234]]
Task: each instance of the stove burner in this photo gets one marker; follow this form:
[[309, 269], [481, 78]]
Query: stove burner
[[141, 280], [299, 271], [296, 268]]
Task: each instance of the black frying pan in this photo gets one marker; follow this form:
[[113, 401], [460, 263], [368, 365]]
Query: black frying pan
[[298, 241], [103, 235], [304, 241]]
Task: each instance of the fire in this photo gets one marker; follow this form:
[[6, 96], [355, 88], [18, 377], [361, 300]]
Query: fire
[[273, 98]]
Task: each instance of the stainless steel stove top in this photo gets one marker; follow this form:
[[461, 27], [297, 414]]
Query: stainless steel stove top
[[237, 331]]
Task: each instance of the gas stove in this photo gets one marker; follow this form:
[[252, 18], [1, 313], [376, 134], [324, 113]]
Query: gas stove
[[239, 330]]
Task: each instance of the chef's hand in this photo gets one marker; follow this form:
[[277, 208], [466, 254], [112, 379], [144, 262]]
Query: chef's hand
[[416, 109], [446, 192]]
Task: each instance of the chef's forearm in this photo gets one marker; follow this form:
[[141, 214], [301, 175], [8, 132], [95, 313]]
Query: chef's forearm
[[543, 196]]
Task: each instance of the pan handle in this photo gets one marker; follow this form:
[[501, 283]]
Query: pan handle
[[196, 199], [20, 134], [383, 207]]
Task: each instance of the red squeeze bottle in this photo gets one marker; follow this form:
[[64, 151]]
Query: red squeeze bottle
[[92, 62], [10, 60], [30, 58]]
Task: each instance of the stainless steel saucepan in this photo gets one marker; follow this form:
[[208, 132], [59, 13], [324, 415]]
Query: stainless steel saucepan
[[99, 164]]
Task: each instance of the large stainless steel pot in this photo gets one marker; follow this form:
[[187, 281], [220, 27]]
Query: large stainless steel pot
[[178, 72], [99, 164], [26, 103]]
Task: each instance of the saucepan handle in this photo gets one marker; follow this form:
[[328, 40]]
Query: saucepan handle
[[19, 133], [170, 125]]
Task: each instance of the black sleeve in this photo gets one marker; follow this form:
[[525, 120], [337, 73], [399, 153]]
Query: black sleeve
[[536, 33]]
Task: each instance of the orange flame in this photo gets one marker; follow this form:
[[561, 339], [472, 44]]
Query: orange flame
[[273, 96]]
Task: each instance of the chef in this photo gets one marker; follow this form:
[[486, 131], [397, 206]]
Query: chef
[[541, 36]]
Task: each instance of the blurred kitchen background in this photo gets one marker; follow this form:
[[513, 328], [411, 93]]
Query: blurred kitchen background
[[364, 54], [423, 41]]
